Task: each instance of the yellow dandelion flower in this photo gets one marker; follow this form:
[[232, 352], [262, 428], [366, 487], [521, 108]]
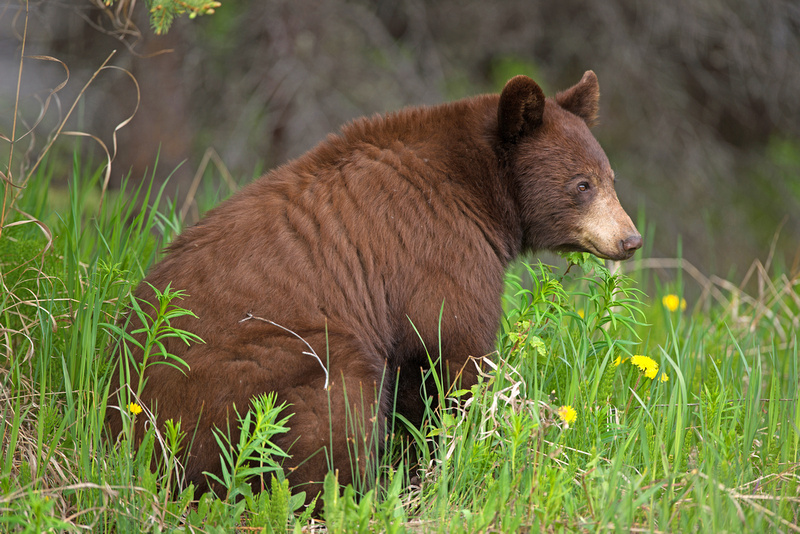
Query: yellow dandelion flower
[[646, 365], [664, 377], [673, 302], [134, 408], [567, 414], [618, 361], [582, 314]]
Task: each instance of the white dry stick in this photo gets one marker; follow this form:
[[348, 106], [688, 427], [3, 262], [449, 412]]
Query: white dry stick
[[295, 334]]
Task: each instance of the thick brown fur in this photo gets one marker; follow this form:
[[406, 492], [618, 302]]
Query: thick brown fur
[[356, 247]]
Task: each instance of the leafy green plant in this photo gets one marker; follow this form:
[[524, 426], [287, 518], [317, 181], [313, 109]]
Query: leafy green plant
[[156, 329], [164, 12], [254, 454], [345, 511], [274, 509], [32, 513]]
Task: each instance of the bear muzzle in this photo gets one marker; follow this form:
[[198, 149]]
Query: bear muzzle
[[624, 249], [631, 244], [607, 231]]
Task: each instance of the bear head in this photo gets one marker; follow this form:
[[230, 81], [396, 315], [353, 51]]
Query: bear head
[[563, 181]]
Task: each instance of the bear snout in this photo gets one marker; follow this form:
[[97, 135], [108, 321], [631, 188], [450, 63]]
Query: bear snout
[[631, 244], [607, 231], [626, 247]]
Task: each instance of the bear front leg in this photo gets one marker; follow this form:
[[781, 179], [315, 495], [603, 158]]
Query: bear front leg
[[463, 373], [416, 386]]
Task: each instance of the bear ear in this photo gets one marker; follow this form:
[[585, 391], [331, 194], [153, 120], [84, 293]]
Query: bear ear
[[521, 108], [582, 99]]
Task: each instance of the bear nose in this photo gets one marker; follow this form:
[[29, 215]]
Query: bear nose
[[632, 243]]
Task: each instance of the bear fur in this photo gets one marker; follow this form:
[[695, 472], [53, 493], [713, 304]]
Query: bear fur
[[354, 249]]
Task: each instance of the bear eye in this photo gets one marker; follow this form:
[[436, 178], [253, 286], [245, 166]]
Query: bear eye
[[583, 186]]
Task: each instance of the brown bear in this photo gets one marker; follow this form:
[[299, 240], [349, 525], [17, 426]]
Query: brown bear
[[332, 280]]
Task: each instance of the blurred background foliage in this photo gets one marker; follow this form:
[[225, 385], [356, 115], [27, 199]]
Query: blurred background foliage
[[700, 113]]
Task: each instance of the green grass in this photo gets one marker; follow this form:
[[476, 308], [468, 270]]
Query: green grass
[[712, 447]]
